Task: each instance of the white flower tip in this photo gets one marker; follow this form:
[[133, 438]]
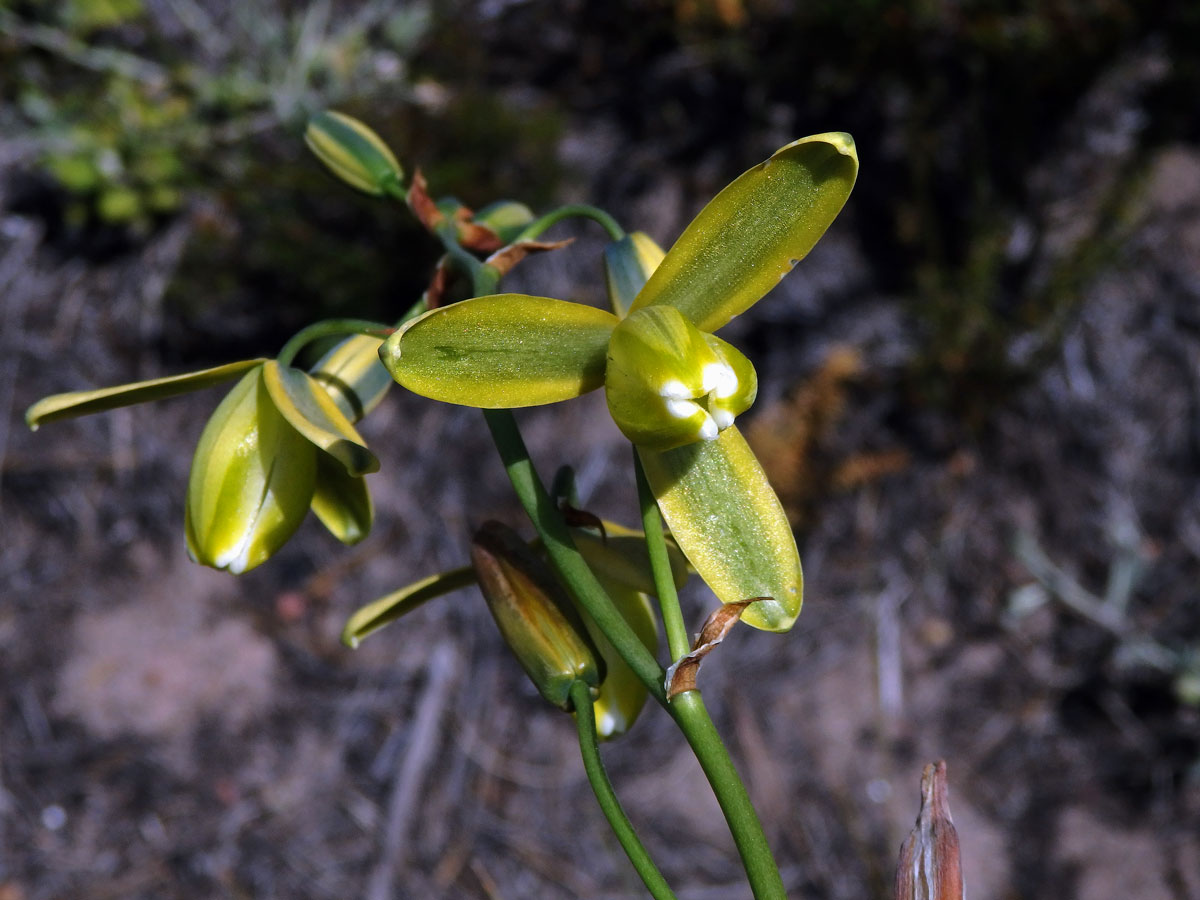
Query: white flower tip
[[674, 390], [683, 409], [720, 379]]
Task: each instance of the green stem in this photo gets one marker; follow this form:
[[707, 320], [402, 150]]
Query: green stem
[[565, 556], [660, 564], [589, 748], [307, 335], [574, 211], [690, 714], [687, 709]]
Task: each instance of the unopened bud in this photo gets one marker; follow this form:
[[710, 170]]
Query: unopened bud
[[669, 384], [353, 152], [534, 614], [929, 866]]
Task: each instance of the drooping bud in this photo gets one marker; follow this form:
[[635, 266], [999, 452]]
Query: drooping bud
[[929, 867], [534, 614], [669, 384], [628, 264], [354, 153], [251, 483]]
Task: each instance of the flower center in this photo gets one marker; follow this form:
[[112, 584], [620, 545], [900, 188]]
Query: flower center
[[670, 384]]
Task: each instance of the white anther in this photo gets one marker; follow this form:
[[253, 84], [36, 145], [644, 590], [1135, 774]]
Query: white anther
[[674, 390], [723, 418], [683, 409], [719, 378]]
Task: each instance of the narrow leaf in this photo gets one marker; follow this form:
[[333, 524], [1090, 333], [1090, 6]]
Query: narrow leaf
[[728, 522], [502, 351], [81, 403], [312, 412], [751, 234]]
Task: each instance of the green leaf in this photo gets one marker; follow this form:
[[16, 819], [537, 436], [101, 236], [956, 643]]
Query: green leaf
[[391, 607], [341, 501], [751, 234], [502, 351], [312, 412], [81, 403], [353, 375], [727, 520]]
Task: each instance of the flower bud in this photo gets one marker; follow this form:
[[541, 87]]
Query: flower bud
[[251, 483], [669, 384], [534, 615], [628, 264], [353, 152]]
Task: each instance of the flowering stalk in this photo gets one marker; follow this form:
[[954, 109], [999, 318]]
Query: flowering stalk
[[593, 765], [687, 709], [656, 546]]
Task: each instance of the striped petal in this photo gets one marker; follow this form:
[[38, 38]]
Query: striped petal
[[727, 520], [751, 234], [502, 351], [312, 412], [81, 403]]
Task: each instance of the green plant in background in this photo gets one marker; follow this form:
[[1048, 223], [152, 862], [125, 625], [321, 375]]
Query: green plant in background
[[573, 604], [128, 125]]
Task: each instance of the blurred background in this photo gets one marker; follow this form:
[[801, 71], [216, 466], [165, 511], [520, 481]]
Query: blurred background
[[980, 404]]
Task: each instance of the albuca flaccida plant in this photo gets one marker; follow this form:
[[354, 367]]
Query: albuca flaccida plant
[[573, 602]]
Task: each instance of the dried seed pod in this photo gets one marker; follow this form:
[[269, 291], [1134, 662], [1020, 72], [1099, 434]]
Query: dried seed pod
[[929, 866]]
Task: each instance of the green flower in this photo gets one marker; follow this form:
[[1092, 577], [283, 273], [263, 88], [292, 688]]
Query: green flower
[[673, 388], [281, 442]]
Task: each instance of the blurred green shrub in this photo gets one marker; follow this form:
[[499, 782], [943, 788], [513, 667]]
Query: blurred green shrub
[[132, 106]]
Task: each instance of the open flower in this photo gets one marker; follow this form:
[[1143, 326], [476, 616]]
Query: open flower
[[672, 386], [281, 442]]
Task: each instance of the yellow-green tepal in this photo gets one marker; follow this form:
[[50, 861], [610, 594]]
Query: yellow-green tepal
[[251, 483], [628, 264], [354, 153]]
